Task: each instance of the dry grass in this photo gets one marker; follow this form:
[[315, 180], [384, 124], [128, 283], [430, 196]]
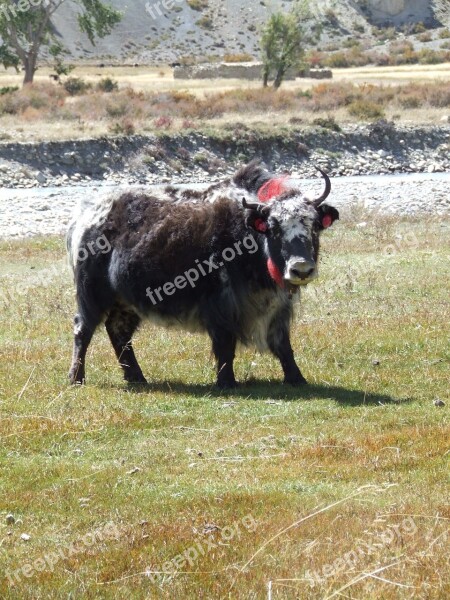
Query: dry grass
[[355, 463], [46, 111]]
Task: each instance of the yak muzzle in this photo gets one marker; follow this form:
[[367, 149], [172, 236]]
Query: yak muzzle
[[300, 271]]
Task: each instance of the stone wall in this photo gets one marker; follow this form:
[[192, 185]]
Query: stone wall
[[246, 70]]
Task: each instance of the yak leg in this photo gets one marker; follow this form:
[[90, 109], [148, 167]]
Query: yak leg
[[224, 347], [280, 345], [121, 325], [82, 337]]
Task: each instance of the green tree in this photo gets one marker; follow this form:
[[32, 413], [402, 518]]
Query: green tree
[[282, 43], [26, 27]]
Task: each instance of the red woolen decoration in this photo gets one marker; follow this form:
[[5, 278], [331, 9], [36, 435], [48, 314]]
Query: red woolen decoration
[[261, 225], [271, 189], [274, 272], [327, 221]]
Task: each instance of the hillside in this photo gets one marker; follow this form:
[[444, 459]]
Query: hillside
[[149, 33]]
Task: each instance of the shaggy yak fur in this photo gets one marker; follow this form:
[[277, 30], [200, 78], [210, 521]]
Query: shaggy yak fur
[[226, 260]]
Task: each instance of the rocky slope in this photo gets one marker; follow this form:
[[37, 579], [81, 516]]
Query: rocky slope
[[150, 33]]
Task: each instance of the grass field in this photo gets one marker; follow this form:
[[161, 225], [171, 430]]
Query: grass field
[[338, 490]]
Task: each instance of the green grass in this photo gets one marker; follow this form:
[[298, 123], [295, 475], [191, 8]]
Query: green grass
[[171, 466]]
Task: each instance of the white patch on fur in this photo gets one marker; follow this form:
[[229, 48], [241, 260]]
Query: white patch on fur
[[264, 307], [293, 229], [90, 212]]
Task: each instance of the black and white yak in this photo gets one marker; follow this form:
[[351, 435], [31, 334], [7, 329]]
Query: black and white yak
[[226, 260]]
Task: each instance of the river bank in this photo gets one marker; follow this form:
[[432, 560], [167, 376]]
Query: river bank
[[47, 211], [201, 157]]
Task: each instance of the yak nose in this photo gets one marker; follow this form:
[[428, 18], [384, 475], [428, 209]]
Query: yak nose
[[301, 269]]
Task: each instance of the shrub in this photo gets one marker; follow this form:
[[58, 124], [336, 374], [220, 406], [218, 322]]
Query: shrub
[[389, 33], [411, 100], [337, 61], [425, 37], [45, 98], [123, 127], [75, 86], [426, 56], [163, 122], [205, 22], [8, 90], [198, 4], [351, 43], [328, 123], [238, 58], [118, 107], [444, 34], [419, 28], [107, 85], [366, 110]]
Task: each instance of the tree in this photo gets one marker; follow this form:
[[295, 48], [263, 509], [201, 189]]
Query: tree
[[282, 43], [26, 27]]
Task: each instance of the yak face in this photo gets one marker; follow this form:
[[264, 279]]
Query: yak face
[[292, 225]]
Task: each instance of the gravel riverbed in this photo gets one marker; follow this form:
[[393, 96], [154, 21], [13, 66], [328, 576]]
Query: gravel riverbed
[[44, 211]]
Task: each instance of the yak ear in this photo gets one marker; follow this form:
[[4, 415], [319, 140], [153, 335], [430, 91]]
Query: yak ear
[[257, 215], [257, 221], [327, 215]]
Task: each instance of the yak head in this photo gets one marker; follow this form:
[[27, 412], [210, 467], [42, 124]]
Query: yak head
[[291, 225]]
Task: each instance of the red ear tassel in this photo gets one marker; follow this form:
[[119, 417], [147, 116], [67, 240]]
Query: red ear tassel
[[261, 225], [274, 272], [327, 221]]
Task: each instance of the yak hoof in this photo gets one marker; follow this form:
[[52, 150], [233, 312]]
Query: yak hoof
[[296, 381], [227, 385], [76, 379], [136, 379]]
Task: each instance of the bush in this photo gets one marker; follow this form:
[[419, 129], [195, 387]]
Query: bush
[[123, 127], [163, 122], [107, 85], [366, 110], [425, 37], [238, 58], [205, 23], [426, 56], [337, 61], [328, 123], [419, 28], [198, 4], [411, 100], [8, 90], [118, 107], [75, 86], [444, 34], [45, 98]]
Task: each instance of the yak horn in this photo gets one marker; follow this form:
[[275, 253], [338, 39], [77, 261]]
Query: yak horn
[[252, 205], [327, 190]]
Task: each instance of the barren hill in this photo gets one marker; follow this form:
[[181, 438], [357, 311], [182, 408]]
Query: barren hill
[[151, 33]]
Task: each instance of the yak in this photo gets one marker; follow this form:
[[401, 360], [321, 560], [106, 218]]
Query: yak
[[227, 260]]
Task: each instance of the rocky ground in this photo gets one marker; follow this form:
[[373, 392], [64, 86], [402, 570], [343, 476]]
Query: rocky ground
[[375, 149], [26, 213]]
